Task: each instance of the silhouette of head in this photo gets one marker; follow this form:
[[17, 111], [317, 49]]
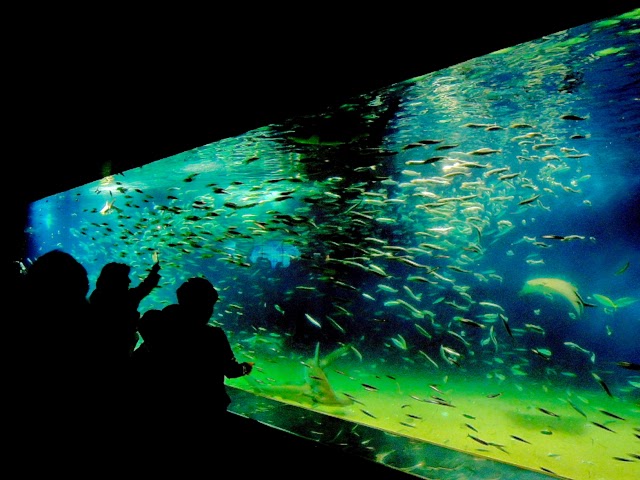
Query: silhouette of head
[[152, 326], [198, 296], [114, 275], [57, 275]]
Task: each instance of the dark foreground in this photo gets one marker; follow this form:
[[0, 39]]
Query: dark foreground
[[278, 454]]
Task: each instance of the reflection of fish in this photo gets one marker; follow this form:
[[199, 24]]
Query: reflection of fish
[[555, 286]]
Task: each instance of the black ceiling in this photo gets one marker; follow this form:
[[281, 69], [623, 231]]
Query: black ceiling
[[84, 96]]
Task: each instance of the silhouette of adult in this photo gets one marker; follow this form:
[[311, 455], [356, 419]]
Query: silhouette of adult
[[56, 313], [51, 371], [185, 366], [114, 305]]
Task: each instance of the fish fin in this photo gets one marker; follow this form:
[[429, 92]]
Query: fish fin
[[581, 300]]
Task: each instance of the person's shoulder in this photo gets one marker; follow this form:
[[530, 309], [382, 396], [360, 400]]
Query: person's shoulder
[[96, 295], [214, 330], [151, 314], [172, 309]]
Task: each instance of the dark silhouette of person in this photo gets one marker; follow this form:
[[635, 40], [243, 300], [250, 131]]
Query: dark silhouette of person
[[56, 313], [56, 403], [154, 329], [115, 305], [11, 343], [183, 368], [49, 387]]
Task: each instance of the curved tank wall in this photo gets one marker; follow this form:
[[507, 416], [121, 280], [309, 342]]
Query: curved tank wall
[[452, 260]]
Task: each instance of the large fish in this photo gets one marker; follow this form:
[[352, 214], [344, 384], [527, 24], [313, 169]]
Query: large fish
[[316, 387], [555, 286], [276, 252]]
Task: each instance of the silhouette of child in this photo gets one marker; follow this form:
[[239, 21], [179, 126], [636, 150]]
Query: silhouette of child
[[115, 306]]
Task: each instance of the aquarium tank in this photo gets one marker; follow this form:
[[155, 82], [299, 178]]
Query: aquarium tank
[[442, 275]]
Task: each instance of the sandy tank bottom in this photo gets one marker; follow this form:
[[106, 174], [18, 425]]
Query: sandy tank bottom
[[555, 430]]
